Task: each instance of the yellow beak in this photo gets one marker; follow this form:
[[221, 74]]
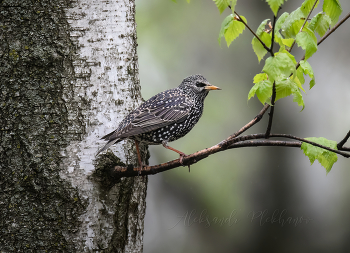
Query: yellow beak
[[211, 87]]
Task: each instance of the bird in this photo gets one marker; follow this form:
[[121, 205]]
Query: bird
[[165, 117]]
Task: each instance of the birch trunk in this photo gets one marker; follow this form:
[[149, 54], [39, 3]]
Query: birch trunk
[[69, 74]]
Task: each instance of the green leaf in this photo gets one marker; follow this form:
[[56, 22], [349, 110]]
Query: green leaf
[[223, 4], [262, 88], [259, 77], [312, 83], [265, 37], [264, 92], [284, 88], [307, 6], [320, 23], [298, 98], [307, 41], [234, 30], [297, 81], [224, 25], [231, 29], [289, 55], [333, 9], [279, 67], [261, 28], [307, 70], [300, 75], [278, 37], [279, 23], [325, 158], [278, 27], [275, 5], [293, 23], [253, 91], [295, 29], [287, 87], [233, 5], [288, 42]]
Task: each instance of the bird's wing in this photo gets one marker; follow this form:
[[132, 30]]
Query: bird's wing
[[159, 111], [159, 115]]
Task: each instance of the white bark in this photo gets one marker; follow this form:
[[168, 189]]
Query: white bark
[[106, 75]]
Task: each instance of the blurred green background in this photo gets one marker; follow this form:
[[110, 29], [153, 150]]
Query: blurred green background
[[262, 199]]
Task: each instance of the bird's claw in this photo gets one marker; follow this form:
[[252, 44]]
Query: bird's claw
[[139, 170]]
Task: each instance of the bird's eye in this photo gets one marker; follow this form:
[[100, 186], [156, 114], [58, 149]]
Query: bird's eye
[[200, 84]]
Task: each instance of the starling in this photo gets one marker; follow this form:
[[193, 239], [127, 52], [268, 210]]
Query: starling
[[165, 117]]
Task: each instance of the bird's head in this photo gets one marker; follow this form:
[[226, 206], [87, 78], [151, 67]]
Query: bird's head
[[197, 85]]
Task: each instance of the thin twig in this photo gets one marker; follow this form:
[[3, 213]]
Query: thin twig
[[326, 35], [256, 36], [256, 119], [265, 143], [343, 141], [290, 49], [262, 43], [312, 143], [333, 29], [289, 136], [273, 33], [273, 98]]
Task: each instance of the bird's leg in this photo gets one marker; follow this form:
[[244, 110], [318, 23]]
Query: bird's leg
[[138, 155], [182, 155]]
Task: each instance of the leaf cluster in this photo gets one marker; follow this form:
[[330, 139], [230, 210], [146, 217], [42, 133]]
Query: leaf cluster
[[281, 75]]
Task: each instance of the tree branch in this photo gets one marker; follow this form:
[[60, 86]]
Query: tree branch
[[118, 171], [238, 142]]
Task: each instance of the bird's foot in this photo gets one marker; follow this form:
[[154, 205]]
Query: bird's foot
[[182, 155], [139, 169]]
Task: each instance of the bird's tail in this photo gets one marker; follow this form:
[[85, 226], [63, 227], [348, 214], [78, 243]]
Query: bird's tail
[[110, 143]]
